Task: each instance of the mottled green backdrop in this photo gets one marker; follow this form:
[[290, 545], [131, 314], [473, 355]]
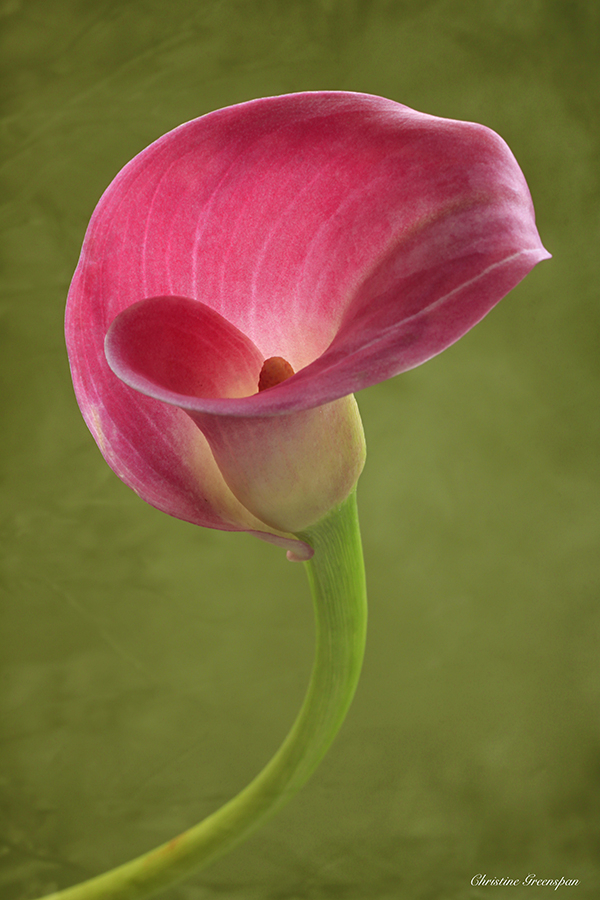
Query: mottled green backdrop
[[150, 668]]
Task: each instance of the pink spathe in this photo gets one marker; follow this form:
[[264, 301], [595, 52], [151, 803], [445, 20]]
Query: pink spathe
[[350, 235]]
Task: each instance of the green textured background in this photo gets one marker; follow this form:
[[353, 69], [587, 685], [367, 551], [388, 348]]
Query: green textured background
[[150, 668]]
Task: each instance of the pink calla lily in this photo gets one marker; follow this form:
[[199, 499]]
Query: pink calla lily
[[351, 236]]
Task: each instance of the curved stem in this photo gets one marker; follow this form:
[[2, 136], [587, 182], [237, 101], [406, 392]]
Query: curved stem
[[336, 576]]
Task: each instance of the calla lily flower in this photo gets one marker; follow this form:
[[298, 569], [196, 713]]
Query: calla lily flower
[[240, 279], [311, 244]]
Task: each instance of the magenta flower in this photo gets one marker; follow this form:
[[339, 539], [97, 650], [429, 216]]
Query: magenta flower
[[240, 279], [346, 235]]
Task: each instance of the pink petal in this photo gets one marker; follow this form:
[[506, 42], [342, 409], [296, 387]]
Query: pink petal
[[185, 347], [348, 234]]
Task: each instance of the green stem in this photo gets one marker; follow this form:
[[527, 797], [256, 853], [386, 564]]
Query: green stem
[[336, 576]]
